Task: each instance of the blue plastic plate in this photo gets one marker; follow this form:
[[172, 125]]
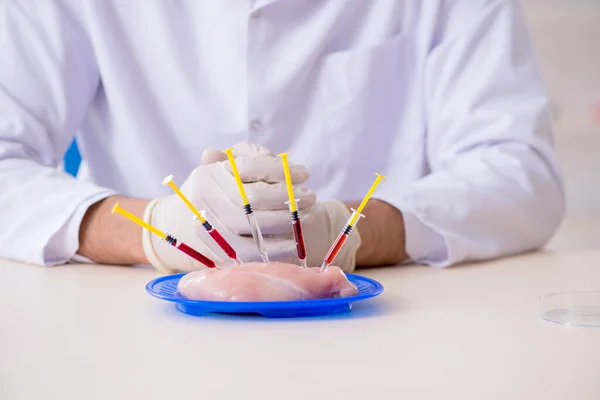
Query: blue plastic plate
[[165, 288]]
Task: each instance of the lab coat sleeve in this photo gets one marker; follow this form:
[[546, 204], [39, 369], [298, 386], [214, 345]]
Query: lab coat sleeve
[[48, 78], [494, 186]]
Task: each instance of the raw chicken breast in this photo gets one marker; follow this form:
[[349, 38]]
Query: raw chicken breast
[[265, 282]]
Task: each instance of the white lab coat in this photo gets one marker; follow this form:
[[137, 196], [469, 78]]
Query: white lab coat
[[441, 97]]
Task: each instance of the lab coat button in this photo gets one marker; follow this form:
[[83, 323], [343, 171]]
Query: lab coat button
[[255, 125], [256, 14]]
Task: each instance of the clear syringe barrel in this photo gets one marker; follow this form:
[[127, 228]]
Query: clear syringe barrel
[[256, 233]]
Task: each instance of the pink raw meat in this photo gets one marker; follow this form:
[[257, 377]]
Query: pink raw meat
[[265, 282]]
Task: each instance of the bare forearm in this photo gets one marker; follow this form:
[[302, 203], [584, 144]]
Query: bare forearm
[[110, 239], [382, 235]]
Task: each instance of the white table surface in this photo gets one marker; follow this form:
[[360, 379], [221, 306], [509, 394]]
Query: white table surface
[[469, 332]]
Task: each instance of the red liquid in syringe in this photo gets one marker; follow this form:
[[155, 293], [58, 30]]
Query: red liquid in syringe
[[299, 239], [335, 249], [223, 244], [194, 254]]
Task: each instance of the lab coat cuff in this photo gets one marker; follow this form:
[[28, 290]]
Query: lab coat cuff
[[423, 244], [63, 244]]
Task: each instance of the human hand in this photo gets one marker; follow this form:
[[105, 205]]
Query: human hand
[[211, 187], [321, 222]]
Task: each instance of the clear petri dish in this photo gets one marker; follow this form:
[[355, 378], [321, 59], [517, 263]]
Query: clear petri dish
[[572, 308]]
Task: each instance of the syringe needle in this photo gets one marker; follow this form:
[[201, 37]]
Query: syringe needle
[[349, 227], [254, 228], [214, 234]]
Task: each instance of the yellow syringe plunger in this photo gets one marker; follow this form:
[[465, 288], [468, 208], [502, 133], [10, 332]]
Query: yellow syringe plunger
[[288, 181], [169, 181], [365, 200], [117, 209], [236, 175]]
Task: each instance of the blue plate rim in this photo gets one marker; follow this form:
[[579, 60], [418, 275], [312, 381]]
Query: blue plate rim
[[267, 304]]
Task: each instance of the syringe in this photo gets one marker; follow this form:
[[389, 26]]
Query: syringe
[[167, 238], [254, 228], [347, 230], [293, 205], [214, 234]]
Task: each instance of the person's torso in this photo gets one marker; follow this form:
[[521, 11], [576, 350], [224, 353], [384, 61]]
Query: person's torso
[[338, 84]]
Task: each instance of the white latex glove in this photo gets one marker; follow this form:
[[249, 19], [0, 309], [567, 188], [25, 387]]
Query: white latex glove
[[321, 222], [212, 188]]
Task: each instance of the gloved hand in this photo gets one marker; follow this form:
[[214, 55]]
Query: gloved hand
[[321, 222], [212, 188]]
